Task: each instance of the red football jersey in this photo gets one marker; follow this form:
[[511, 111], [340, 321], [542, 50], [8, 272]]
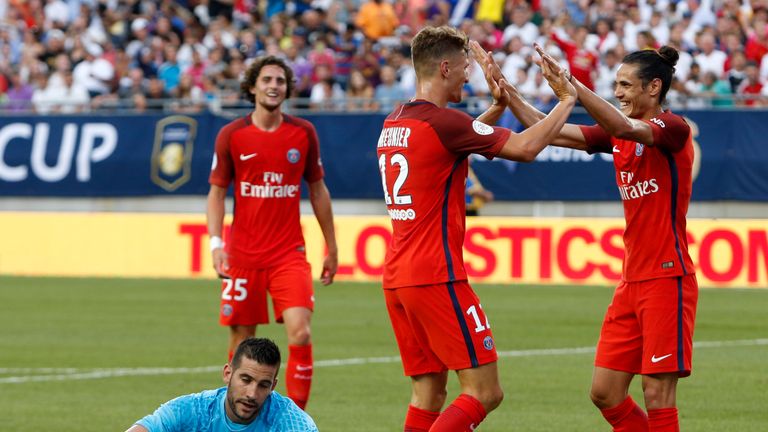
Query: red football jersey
[[266, 168], [655, 188], [422, 153]]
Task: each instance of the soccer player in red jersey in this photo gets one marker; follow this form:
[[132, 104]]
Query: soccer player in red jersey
[[437, 319], [648, 328], [265, 155]]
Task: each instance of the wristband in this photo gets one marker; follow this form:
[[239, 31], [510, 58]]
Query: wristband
[[216, 243]]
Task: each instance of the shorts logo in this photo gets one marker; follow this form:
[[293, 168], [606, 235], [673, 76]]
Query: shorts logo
[[293, 155], [667, 265], [639, 149], [226, 310], [488, 343]]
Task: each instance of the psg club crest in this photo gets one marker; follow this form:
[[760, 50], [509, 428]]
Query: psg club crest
[[226, 310], [488, 343], [172, 152], [639, 149], [293, 155]]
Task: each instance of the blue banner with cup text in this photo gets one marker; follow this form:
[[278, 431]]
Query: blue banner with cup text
[[149, 155]]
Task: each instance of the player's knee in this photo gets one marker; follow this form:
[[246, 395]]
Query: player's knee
[[491, 398], [434, 400], [658, 397], [300, 335], [601, 397]]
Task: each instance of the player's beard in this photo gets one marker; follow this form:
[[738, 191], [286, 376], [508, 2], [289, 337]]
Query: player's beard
[[234, 408]]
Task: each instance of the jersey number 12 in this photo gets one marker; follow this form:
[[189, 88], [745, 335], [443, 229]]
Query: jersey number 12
[[402, 162]]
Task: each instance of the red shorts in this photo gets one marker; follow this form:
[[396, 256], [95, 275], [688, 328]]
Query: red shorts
[[440, 327], [648, 328], [244, 296]]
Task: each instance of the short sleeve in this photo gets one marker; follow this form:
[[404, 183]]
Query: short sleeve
[[461, 134], [670, 131], [222, 169], [597, 139], [313, 171], [170, 417]]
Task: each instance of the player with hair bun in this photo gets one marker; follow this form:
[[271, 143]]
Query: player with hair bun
[[648, 328]]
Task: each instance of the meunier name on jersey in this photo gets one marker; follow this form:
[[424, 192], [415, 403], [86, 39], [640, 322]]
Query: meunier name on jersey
[[394, 137], [397, 137], [269, 189]]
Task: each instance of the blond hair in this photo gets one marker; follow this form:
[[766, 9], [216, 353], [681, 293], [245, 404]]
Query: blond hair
[[433, 44]]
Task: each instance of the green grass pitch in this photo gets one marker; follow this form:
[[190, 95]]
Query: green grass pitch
[[98, 354]]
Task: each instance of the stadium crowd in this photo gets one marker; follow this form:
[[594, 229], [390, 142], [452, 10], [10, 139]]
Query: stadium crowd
[[187, 55]]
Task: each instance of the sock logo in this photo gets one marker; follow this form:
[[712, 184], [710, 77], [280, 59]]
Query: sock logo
[[302, 368]]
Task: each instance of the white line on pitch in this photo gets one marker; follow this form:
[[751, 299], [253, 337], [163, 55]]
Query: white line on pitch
[[67, 374]]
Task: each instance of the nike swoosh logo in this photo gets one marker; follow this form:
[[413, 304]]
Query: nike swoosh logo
[[616, 149], [655, 359], [301, 368], [246, 157]]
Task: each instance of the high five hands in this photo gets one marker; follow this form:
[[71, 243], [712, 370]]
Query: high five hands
[[499, 86], [558, 78]]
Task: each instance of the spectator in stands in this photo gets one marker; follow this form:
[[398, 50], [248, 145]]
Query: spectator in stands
[[388, 94], [659, 27], [517, 57], [188, 97], [521, 26], [54, 46], [404, 71], [69, 98], [170, 71], [94, 73], [360, 93], [327, 93], [603, 38], [19, 94], [156, 94], [377, 19], [133, 83], [606, 73], [757, 41], [751, 88], [710, 58], [737, 71], [40, 99], [581, 61], [62, 65], [716, 90], [141, 40]]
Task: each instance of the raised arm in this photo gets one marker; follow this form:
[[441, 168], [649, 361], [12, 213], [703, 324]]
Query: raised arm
[[569, 135], [321, 205], [525, 146], [606, 114]]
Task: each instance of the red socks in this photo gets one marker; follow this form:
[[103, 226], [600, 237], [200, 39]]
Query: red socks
[[419, 420], [663, 420], [463, 415], [298, 373], [626, 417]]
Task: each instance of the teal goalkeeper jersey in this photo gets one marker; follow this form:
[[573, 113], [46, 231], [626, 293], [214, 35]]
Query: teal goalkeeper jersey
[[204, 412]]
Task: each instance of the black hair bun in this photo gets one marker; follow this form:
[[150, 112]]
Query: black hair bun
[[669, 55]]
